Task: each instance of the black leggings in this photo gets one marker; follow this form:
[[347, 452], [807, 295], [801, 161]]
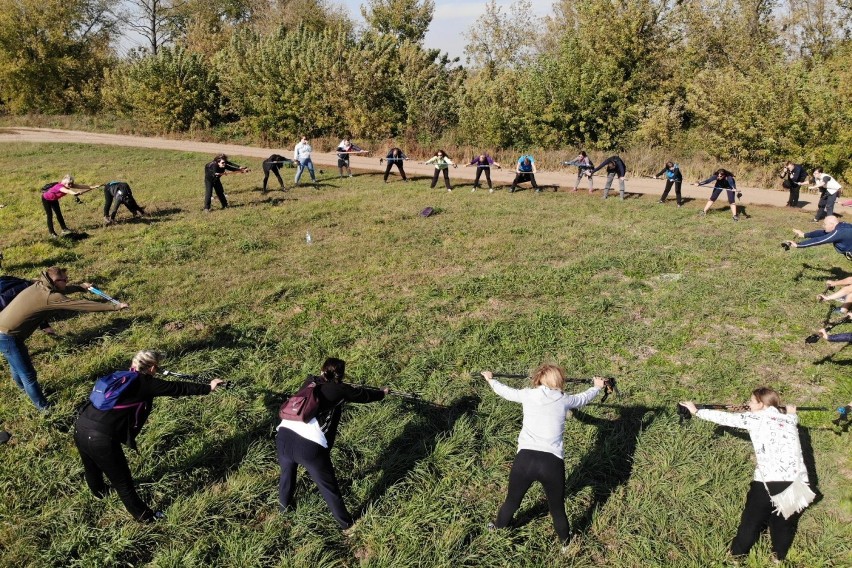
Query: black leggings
[[209, 186], [102, 455], [479, 172], [547, 469], [758, 515], [524, 177], [398, 164], [111, 204], [274, 169], [294, 450], [51, 207], [669, 184], [446, 177]]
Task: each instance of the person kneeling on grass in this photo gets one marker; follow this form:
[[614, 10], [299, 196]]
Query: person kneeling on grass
[[775, 437], [540, 451], [99, 434], [309, 443], [833, 232]]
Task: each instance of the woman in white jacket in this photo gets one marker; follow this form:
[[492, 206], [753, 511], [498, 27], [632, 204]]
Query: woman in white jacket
[[540, 454], [775, 437]]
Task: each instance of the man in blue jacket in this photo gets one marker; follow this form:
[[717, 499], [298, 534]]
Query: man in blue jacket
[[834, 232]]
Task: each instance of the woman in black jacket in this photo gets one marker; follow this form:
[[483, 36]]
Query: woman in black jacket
[[309, 443], [98, 434]]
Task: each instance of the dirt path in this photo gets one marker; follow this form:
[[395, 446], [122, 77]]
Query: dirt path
[[564, 179]]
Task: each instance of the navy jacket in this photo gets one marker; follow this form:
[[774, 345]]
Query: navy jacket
[[613, 164], [840, 237]]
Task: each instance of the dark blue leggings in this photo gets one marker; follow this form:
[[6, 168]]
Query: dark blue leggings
[[840, 338]]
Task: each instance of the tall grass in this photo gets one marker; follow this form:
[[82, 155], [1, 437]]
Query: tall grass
[[675, 306]]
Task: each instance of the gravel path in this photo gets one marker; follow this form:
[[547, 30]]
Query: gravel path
[[564, 179]]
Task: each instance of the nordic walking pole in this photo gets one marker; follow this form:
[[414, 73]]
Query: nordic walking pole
[[685, 414], [194, 378], [104, 295]]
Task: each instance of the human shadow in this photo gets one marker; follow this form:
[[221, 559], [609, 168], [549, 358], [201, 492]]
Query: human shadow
[[416, 442], [833, 273], [606, 466]]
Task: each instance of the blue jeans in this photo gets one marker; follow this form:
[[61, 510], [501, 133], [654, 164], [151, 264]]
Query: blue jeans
[[307, 163], [23, 373]]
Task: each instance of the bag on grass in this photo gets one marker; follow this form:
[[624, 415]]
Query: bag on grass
[[302, 406]]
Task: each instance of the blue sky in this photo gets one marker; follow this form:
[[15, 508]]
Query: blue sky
[[451, 20]]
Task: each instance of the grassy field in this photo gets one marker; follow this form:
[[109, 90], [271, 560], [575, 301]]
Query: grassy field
[[674, 305]]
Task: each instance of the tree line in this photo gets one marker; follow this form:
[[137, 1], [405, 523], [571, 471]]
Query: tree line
[[749, 80]]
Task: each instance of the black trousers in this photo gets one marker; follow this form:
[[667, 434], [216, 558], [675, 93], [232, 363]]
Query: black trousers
[[103, 455], [825, 207], [794, 194], [293, 450], [267, 168], [111, 204], [209, 187], [669, 184], [524, 177], [398, 164], [446, 177], [51, 207], [757, 515], [547, 469], [479, 172]]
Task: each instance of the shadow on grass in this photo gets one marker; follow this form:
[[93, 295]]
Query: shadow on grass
[[833, 273], [417, 441], [606, 466]]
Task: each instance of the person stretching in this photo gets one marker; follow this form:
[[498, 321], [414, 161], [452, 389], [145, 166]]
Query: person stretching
[[673, 178], [483, 164], [525, 172], [614, 167], [273, 165], [833, 232], [442, 165], [779, 462], [117, 193], [50, 201], [584, 166], [395, 157], [302, 157], [540, 450], [724, 181]]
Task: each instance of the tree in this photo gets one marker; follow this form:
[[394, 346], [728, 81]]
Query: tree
[[53, 53], [500, 40], [404, 19], [154, 20]]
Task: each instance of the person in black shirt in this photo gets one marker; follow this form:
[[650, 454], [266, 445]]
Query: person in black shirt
[[395, 157], [213, 173], [615, 167], [273, 164], [309, 444], [117, 193], [99, 434], [794, 176], [723, 181]]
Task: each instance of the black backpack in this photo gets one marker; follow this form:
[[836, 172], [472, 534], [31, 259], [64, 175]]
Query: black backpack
[[11, 286]]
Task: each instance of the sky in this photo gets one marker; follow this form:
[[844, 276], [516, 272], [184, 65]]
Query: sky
[[451, 21]]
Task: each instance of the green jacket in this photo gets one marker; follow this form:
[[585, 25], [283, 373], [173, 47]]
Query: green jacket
[[43, 301]]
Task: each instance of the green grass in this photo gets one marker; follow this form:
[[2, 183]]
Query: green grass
[[674, 305]]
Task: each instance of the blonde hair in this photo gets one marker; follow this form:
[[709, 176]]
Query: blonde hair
[[67, 180], [767, 397], [550, 376], [144, 360]]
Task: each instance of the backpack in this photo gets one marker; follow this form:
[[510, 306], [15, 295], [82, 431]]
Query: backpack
[[302, 406], [108, 389], [48, 185], [11, 286]]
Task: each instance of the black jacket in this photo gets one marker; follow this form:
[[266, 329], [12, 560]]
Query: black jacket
[[124, 424], [332, 395]]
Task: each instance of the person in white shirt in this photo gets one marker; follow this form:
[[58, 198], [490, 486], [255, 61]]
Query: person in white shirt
[[540, 452], [829, 191], [778, 451], [302, 157]]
